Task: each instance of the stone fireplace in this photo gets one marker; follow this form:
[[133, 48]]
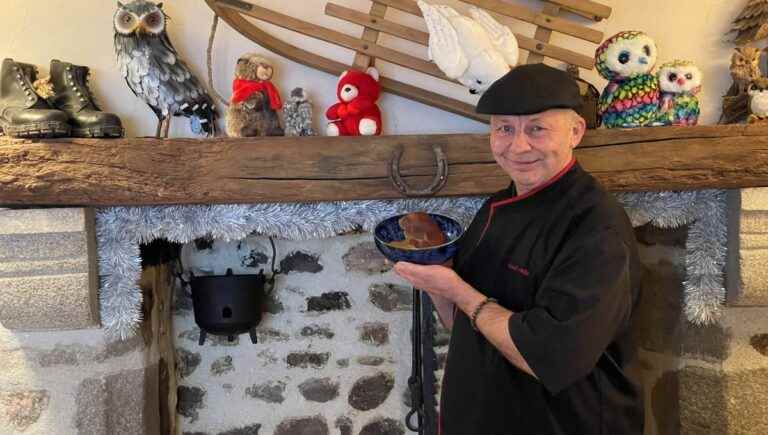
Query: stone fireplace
[[334, 347]]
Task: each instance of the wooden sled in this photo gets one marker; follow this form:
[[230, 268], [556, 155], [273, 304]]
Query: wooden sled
[[368, 51]]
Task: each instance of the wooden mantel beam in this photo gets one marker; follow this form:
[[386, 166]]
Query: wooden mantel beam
[[144, 171]]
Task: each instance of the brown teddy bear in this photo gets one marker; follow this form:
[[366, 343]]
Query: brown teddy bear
[[255, 100]]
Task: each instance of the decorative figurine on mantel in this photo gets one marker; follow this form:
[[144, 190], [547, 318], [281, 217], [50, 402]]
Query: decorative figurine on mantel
[[631, 98], [758, 101], [356, 113], [255, 99], [745, 68], [474, 51], [155, 73], [297, 112], [680, 83], [751, 24]]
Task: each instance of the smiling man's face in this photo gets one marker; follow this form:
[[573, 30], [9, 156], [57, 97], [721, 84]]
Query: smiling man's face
[[534, 148]]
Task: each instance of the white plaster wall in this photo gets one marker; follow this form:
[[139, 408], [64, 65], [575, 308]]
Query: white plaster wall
[[80, 31]]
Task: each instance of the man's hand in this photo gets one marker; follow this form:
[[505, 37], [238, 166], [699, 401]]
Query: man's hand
[[440, 281]]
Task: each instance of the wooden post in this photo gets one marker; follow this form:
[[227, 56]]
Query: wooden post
[[362, 61], [542, 33], [157, 288]]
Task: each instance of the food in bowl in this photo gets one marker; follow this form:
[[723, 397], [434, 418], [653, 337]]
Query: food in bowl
[[421, 231]]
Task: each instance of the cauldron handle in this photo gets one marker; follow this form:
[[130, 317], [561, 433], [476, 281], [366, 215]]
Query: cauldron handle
[[437, 183]]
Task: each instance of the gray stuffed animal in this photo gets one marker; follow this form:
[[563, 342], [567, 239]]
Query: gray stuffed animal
[[298, 114]]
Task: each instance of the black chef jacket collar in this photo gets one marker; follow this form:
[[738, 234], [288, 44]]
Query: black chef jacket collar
[[509, 195]]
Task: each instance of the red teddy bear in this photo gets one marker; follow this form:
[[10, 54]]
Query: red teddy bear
[[356, 113]]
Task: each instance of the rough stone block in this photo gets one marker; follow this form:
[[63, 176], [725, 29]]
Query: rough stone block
[[222, 365], [754, 278], [317, 331], [375, 333], [252, 429], [383, 426], [319, 390], [270, 392], [754, 222], [303, 426], [48, 270], [308, 359], [190, 401], [124, 403], [753, 241], [39, 303], [22, 409], [370, 392], [186, 361], [367, 259], [714, 401], [331, 301], [301, 262], [754, 199], [390, 297], [727, 398]]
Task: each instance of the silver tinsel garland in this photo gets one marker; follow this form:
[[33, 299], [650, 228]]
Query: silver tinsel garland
[[120, 230]]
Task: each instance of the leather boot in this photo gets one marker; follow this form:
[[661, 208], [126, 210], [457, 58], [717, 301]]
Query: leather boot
[[73, 97], [23, 113]]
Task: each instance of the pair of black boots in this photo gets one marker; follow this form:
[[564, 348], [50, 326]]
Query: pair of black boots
[[66, 110]]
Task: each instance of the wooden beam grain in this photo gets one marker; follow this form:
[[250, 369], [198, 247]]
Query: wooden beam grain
[[91, 172]]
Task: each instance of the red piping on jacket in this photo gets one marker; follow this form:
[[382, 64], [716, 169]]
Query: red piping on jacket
[[528, 194]]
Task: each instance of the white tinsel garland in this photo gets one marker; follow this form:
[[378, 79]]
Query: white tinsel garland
[[120, 230]]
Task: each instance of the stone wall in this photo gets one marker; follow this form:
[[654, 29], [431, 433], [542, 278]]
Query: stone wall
[[59, 378], [76, 382], [697, 380], [334, 348], [707, 380]]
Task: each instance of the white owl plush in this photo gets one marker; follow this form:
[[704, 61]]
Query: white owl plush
[[680, 83], [758, 100], [476, 51]]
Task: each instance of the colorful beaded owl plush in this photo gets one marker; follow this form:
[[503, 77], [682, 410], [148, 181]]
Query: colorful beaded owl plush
[[680, 83], [631, 98]]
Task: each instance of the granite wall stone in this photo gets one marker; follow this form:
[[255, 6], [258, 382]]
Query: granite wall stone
[[48, 269]]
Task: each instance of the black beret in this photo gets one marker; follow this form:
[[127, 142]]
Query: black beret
[[529, 89]]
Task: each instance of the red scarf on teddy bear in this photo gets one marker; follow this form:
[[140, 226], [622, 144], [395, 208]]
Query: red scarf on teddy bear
[[242, 89]]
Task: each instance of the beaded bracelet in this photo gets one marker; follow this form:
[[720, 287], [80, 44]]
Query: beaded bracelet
[[480, 306]]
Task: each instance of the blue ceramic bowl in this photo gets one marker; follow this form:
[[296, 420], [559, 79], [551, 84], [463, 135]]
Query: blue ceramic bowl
[[389, 231]]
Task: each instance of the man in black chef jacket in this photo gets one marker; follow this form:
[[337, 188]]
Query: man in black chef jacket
[[544, 285]]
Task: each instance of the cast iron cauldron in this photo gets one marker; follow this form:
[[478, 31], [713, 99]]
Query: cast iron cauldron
[[228, 304]]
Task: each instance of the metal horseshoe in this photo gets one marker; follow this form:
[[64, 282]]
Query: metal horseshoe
[[437, 183]]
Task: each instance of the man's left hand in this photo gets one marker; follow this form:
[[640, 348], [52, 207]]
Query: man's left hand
[[437, 280]]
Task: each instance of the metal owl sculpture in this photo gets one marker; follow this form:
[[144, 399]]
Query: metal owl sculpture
[[631, 98], [155, 73]]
